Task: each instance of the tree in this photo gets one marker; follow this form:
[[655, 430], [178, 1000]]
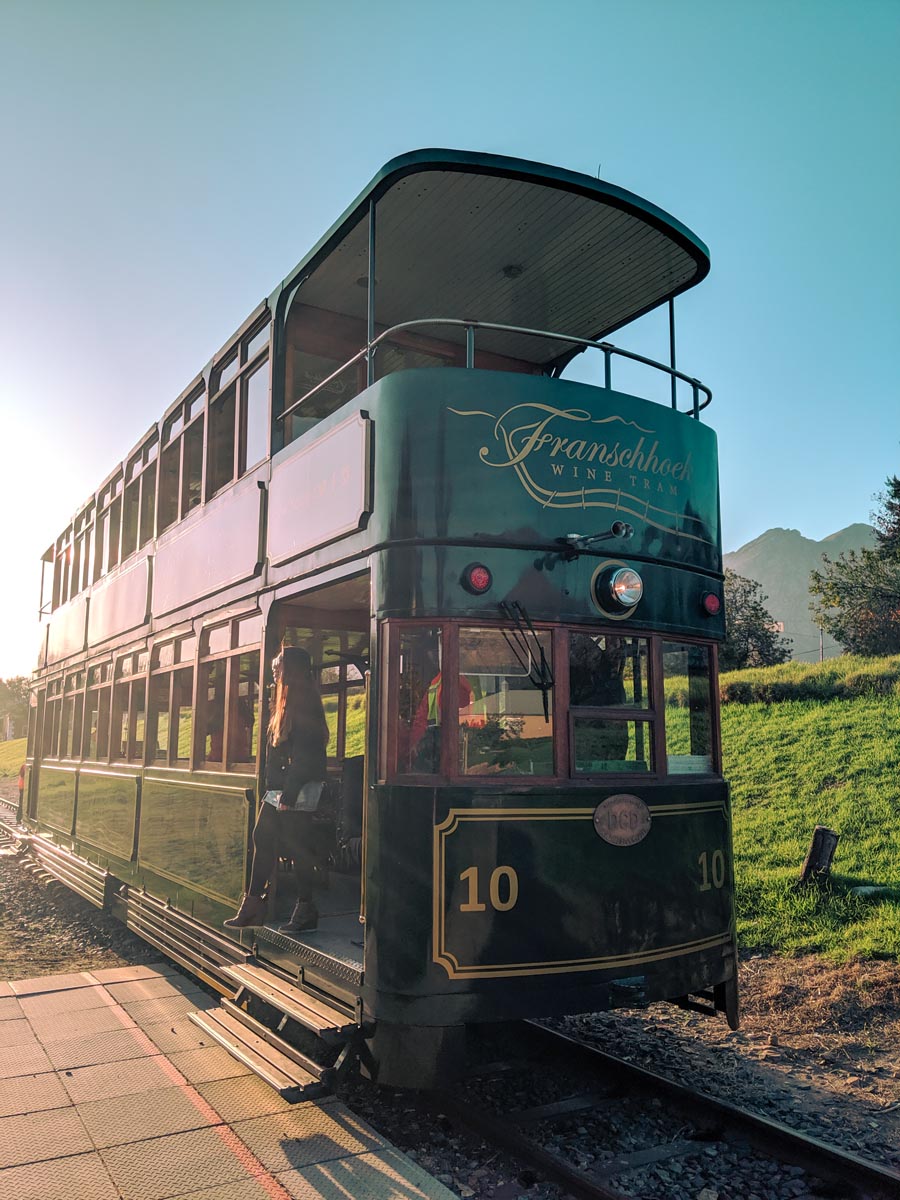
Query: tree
[[15, 696], [856, 597], [751, 636]]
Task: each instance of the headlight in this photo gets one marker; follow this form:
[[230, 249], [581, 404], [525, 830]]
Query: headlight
[[626, 587]]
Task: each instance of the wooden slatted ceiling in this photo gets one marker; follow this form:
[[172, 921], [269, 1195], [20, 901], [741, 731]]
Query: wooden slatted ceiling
[[445, 237]]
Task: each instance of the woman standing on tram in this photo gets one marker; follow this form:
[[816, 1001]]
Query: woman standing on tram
[[295, 775]]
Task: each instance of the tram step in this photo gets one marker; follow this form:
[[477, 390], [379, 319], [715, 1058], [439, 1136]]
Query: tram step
[[329, 1024], [264, 1055]]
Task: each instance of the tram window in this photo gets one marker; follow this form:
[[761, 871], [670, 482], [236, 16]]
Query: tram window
[[601, 745], [419, 693], [502, 726], [687, 683], [192, 467], [212, 710], [158, 718], [120, 720], [130, 518], [220, 453], [182, 715], [255, 417], [243, 732], [148, 503], [607, 671], [138, 721], [51, 718], [169, 477]]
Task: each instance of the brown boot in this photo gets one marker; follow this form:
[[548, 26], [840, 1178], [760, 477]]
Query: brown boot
[[251, 912], [304, 917]]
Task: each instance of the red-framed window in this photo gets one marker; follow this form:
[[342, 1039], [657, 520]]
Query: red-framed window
[[635, 706]]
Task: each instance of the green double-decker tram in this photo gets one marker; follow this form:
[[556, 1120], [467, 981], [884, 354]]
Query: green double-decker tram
[[509, 583]]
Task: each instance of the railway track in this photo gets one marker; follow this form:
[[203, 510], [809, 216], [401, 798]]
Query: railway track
[[687, 1126]]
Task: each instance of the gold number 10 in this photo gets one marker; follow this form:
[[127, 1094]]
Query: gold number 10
[[714, 867], [473, 904]]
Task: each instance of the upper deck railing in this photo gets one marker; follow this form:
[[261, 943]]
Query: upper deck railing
[[470, 326]]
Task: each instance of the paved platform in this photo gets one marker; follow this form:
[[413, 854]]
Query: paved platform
[[109, 1092]]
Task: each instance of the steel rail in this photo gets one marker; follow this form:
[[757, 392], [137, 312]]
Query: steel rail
[[858, 1175], [608, 349]]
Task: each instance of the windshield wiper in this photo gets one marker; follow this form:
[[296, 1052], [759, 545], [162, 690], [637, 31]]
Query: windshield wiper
[[521, 642]]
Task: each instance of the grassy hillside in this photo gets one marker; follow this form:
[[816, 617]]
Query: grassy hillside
[[797, 762], [12, 755]]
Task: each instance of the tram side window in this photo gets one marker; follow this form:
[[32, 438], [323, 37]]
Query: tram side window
[[129, 709], [610, 709], [50, 740], [170, 709], [239, 413], [687, 681], [109, 516], [503, 729], [71, 719], [139, 502], [319, 343], [419, 694], [181, 460], [228, 696], [97, 703]]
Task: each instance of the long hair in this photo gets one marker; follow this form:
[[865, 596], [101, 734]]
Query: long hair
[[297, 707]]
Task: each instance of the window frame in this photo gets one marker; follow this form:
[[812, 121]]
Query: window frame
[[653, 716]]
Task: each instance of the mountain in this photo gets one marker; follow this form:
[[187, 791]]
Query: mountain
[[780, 561]]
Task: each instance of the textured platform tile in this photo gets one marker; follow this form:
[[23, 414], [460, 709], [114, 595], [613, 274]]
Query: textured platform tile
[[116, 1079], [16, 1033], [242, 1098], [167, 1008], [62, 1028], [36, 1136], [385, 1175], [244, 1189], [113, 1045], [31, 1093], [84, 1177], [50, 983], [170, 1166], [172, 1037], [10, 1009], [131, 990], [29, 1059], [123, 1119], [70, 1000], [212, 1062], [123, 974], [308, 1133]]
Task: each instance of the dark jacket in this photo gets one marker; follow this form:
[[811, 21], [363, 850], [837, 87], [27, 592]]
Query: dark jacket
[[298, 759]]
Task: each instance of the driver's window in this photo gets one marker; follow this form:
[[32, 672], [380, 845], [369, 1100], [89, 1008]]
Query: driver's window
[[505, 723]]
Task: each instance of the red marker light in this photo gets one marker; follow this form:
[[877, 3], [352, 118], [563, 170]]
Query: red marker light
[[712, 604], [477, 578]]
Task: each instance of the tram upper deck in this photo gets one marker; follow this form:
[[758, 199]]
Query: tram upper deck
[[268, 465]]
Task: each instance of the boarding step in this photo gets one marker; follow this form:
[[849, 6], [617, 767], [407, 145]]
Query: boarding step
[[291, 1074], [329, 1024]]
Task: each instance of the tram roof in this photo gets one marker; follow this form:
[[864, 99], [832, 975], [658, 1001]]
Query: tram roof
[[484, 236]]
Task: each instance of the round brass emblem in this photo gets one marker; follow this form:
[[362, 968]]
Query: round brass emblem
[[622, 820]]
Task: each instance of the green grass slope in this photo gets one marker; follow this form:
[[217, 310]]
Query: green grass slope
[[12, 755], [796, 763]]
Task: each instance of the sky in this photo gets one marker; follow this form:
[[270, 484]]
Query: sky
[[165, 164]]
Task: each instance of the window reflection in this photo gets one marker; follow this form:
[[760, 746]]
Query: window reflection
[[687, 684], [502, 726]]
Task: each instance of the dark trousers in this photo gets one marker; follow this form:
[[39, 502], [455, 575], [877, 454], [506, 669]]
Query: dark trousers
[[277, 834]]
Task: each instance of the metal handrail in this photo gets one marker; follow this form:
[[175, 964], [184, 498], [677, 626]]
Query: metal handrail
[[608, 349]]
